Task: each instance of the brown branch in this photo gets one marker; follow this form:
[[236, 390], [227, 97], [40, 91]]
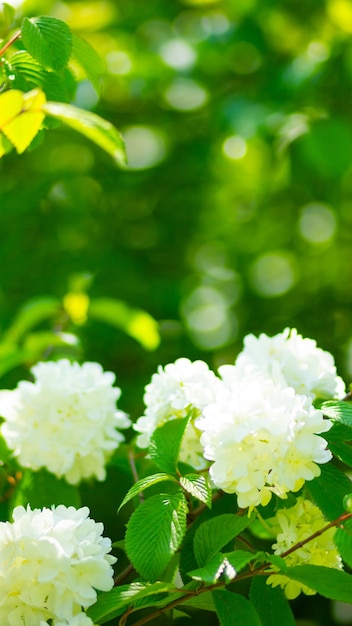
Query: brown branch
[[10, 42]]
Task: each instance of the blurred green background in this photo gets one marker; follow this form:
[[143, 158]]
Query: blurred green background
[[234, 214]]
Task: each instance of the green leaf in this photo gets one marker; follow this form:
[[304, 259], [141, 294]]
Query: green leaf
[[114, 602], [339, 411], [328, 490], [154, 533], [48, 40], [343, 542], [234, 610], [28, 68], [143, 484], [329, 582], [88, 59], [202, 601], [7, 16], [214, 534], [165, 444], [134, 322], [41, 489], [91, 126], [338, 433], [343, 451], [270, 603], [198, 486], [224, 566], [31, 314]]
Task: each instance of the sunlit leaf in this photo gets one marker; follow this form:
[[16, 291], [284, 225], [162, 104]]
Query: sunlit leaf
[[113, 603], [165, 444], [198, 486], [48, 40], [90, 125], [142, 484], [154, 533], [214, 534], [88, 59]]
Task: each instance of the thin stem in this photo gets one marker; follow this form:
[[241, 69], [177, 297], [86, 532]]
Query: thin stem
[[203, 507], [10, 42], [124, 574], [335, 522]]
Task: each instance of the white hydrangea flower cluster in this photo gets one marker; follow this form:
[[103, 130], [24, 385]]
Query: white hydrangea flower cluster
[[175, 391], [259, 427], [51, 563], [65, 421], [297, 524], [262, 439], [292, 361]]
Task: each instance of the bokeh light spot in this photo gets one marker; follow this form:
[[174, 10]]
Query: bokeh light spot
[[273, 274], [145, 146], [317, 223], [185, 94]]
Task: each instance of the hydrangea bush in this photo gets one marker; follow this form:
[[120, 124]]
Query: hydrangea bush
[[240, 494]]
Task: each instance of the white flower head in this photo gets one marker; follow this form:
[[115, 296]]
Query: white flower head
[[65, 421], [292, 361], [296, 525], [262, 439], [51, 563], [175, 391]]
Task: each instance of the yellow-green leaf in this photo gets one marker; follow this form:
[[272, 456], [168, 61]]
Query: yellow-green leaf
[[11, 103], [22, 130], [91, 126]]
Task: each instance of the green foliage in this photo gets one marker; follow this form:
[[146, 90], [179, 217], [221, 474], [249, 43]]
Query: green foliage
[[113, 603], [135, 322], [198, 486], [270, 603], [224, 567], [231, 605], [154, 533], [328, 490], [329, 582], [166, 442], [42, 489], [144, 483], [214, 534], [48, 40]]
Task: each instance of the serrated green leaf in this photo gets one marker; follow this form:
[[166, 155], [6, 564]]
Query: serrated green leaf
[[144, 483], [202, 601], [339, 411], [232, 608], [31, 314], [88, 59], [214, 534], [338, 433], [342, 451], [48, 40], [42, 489], [59, 87], [165, 444], [113, 603], [90, 125], [329, 582], [23, 63], [343, 542], [198, 486], [270, 603], [154, 533], [224, 566], [328, 490], [134, 322]]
